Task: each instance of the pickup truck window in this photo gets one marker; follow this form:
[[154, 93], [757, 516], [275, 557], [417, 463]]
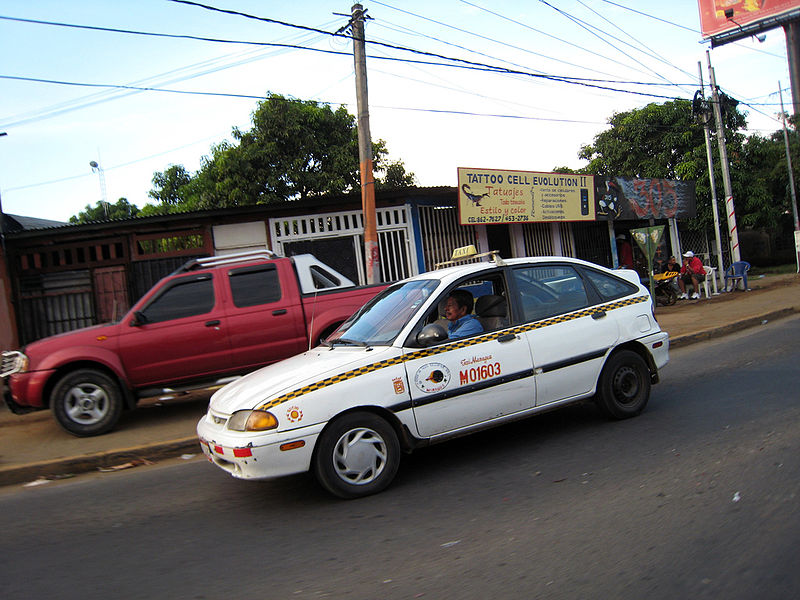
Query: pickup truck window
[[252, 286], [186, 298], [323, 279]]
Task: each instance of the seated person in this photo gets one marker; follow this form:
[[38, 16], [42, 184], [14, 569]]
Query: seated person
[[457, 310], [692, 272]]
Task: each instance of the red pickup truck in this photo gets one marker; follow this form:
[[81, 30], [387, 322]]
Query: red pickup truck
[[211, 320]]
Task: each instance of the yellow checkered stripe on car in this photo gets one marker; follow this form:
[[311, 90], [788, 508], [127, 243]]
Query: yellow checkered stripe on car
[[465, 343]]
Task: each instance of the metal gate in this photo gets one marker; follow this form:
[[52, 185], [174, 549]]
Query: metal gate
[[441, 233], [316, 234], [54, 303], [538, 239]]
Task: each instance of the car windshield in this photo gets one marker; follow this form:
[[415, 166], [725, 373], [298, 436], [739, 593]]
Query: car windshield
[[379, 321]]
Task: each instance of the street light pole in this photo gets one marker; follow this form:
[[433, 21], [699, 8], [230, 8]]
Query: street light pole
[[733, 234], [96, 168], [791, 183], [710, 158]]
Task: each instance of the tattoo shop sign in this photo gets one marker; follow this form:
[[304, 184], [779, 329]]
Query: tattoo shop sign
[[488, 196]]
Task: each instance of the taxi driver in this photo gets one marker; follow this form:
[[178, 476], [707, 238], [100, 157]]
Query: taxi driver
[[457, 310]]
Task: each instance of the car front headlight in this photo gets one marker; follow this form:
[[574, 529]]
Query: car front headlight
[[252, 420]]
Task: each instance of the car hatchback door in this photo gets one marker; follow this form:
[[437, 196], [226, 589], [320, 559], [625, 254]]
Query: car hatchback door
[[569, 331]]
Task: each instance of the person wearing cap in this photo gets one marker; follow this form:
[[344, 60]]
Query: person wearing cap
[[624, 251], [692, 272]]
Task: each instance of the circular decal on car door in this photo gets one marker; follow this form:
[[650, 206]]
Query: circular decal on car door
[[432, 377]]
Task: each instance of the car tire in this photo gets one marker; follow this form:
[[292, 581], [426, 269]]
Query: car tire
[[357, 455], [86, 402], [624, 386]]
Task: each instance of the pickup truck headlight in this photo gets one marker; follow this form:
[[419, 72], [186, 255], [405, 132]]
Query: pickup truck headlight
[[12, 362], [252, 420]]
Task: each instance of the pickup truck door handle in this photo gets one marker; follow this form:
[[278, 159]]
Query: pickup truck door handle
[[280, 311], [598, 315], [213, 323], [508, 337]]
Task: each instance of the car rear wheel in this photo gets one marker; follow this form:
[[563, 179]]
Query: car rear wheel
[[624, 386], [86, 402], [358, 455]]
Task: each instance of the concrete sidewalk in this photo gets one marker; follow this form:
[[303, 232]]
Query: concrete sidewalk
[[34, 446]]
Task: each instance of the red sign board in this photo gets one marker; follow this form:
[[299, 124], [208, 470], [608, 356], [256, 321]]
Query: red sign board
[[721, 16]]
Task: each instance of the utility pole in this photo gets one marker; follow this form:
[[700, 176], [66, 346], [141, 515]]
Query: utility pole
[[791, 184], [710, 156], [733, 235], [371, 251]]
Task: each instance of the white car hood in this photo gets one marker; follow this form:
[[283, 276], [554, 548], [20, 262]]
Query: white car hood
[[259, 386]]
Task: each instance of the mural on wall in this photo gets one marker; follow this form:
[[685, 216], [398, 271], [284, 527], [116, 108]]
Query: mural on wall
[[627, 198]]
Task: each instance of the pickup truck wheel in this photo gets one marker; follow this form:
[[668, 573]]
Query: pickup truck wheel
[[358, 455], [86, 402], [624, 386]]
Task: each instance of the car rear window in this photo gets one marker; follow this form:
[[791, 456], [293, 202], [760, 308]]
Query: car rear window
[[608, 286]]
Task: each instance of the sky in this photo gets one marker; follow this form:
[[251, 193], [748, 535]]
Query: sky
[[66, 97]]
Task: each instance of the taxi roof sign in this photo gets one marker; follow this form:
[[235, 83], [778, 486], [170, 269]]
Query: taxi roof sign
[[468, 252], [464, 252]]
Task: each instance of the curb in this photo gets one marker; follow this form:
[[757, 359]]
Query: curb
[[700, 336], [55, 469]]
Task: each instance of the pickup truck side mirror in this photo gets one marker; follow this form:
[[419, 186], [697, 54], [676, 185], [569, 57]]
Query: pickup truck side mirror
[[431, 334], [139, 319]]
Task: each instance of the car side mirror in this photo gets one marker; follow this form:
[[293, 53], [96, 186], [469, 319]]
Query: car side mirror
[[431, 334], [139, 319]]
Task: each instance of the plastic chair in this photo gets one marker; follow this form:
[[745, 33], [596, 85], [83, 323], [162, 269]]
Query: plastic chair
[[711, 277], [737, 272]]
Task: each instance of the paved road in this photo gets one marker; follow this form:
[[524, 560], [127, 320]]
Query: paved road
[[697, 498]]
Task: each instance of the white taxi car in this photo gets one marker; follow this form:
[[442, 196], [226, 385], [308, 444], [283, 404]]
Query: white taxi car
[[555, 331]]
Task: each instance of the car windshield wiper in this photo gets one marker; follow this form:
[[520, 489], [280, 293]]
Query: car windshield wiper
[[347, 342]]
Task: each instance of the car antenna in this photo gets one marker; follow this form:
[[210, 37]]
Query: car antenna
[[311, 324]]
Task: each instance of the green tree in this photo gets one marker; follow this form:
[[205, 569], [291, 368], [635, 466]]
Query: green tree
[[105, 211], [396, 177], [667, 141], [169, 183], [295, 150]]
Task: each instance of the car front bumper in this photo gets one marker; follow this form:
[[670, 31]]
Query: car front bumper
[[252, 455]]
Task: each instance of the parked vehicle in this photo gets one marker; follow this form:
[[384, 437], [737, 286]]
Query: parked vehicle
[[665, 288], [213, 319], [554, 331]]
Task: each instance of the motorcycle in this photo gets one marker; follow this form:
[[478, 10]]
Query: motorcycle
[[666, 295]]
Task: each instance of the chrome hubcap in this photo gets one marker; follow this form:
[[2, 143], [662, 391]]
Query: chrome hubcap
[[86, 403], [359, 456]]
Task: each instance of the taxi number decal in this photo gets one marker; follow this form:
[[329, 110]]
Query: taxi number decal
[[481, 373]]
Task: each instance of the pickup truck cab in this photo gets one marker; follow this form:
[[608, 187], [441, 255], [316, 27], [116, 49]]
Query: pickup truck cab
[[211, 320]]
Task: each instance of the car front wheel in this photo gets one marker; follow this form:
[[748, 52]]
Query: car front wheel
[[624, 386], [358, 455], [86, 402]]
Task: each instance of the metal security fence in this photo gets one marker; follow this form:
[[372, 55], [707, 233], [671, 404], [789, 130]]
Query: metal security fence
[[538, 239], [337, 238], [55, 303], [441, 232]]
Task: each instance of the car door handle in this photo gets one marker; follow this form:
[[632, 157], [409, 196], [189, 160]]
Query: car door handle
[[598, 315], [508, 337], [213, 323], [280, 311]]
